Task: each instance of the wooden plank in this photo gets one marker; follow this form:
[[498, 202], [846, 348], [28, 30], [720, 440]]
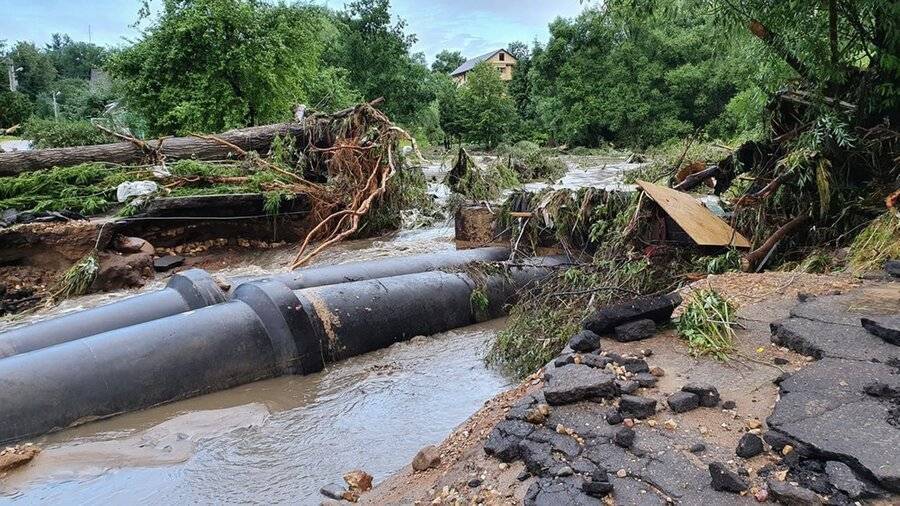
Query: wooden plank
[[704, 227]]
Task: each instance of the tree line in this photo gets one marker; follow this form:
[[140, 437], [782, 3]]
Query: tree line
[[624, 72]]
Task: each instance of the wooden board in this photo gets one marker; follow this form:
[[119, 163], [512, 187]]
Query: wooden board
[[704, 227]]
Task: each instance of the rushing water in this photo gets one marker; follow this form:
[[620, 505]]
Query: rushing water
[[279, 441]]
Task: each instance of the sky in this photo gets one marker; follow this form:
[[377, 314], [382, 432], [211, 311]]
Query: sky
[[472, 27]]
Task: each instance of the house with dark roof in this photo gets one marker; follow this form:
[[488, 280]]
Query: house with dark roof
[[500, 59]]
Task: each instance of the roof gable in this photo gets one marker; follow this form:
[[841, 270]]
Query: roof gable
[[471, 64]]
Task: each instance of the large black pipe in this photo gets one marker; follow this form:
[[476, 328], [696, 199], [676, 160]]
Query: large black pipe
[[267, 330], [196, 289]]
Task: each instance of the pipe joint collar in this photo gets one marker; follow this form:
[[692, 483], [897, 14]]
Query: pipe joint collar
[[197, 288]]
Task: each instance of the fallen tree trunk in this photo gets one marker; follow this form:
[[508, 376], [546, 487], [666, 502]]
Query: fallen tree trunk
[[751, 260], [175, 148], [696, 178]]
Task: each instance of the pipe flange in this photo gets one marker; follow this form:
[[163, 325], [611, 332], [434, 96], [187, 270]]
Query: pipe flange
[[197, 288]]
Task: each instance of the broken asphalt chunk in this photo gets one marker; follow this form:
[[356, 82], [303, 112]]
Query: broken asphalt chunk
[[682, 402], [634, 406], [574, 383], [657, 308], [709, 395], [585, 342], [724, 480]]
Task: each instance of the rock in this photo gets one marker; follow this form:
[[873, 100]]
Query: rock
[[585, 342], [359, 480], [709, 395], [634, 406], [564, 360], [790, 495], [503, 441], [565, 471], [635, 366], [885, 327], [657, 372], [614, 418], [536, 455], [635, 331], [598, 489], [124, 244], [18, 456], [682, 402], [474, 483], [780, 361], [749, 446], [724, 480], [351, 496], [574, 383], [123, 271], [628, 386], [168, 262], [538, 414], [645, 380], [698, 448], [624, 437], [524, 475], [554, 492], [892, 267], [427, 458], [658, 309], [621, 473], [844, 479], [761, 495], [729, 405], [333, 491]]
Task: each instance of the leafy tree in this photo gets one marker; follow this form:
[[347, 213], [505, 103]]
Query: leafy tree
[[74, 60], [487, 113], [15, 108], [37, 74], [447, 61], [449, 110], [210, 65], [519, 50], [376, 54]]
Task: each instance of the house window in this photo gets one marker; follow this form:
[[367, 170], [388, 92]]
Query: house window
[[502, 57]]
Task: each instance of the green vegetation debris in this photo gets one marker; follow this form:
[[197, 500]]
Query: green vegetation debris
[[876, 244], [707, 324]]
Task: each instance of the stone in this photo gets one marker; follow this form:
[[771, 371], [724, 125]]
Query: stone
[[574, 383], [538, 414], [761, 495], [844, 479], [598, 489], [557, 491], [749, 446], [697, 448], [123, 271], [564, 360], [333, 491], [635, 331], [585, 342], [885, 327], [168, 262], [790, 495], [129, 245], [645, 380], [474, 483], [633, 406], [565, 471], [17, 456], [780, 361], [724, 480], [614, 418], [682, 402], [427, 458], [595, 361], [359, 480], [524, 475], [657, 372], [892, 267], [729, 405], [628, 386], [622, 473], [624, 437], [709, 395], [657, 308], [636, 366]]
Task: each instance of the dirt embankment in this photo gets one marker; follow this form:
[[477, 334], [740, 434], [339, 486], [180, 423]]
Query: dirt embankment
[[668, 458]]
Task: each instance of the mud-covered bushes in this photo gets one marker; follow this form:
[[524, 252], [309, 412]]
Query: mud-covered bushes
[[478, 182]]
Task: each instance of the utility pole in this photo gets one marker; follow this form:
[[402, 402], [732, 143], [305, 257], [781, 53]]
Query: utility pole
[[11, 69], [55, 107]]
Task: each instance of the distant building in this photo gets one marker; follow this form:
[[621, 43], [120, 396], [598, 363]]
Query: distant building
[[500, 59]]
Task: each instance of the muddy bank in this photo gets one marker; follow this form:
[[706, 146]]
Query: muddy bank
[[658, 466]]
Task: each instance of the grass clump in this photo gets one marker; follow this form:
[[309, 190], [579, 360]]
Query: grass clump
[[707, 324], [78, 279], [876, 244]]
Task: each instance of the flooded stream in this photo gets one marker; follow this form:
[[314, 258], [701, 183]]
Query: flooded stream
[[279, 441]]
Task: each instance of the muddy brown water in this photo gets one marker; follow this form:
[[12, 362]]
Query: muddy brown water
[[279, 441]]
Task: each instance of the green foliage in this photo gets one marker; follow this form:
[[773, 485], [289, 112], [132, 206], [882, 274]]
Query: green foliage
[[82, 188], [728, 262], [64, 133], [15, 108], [210, 65], [375, 52], [37, 74], [486, 112], [707, 324], [74, 60], [479, 300], [876, 244], [531, 163], [480, 183], [447, 61], [79, 278]]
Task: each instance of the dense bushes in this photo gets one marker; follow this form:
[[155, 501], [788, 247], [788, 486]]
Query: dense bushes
[[63, 133], [14, 108]]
